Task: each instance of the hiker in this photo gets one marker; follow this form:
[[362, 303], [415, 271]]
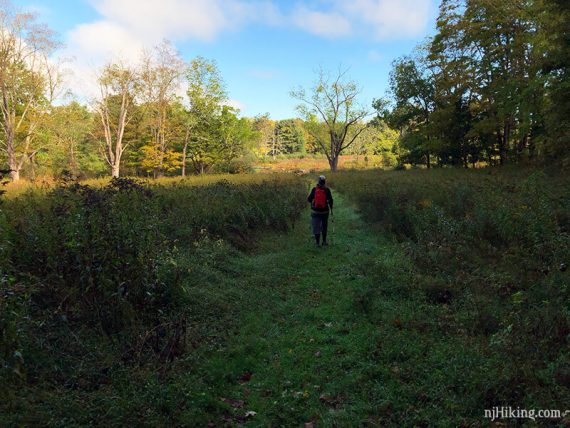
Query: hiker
[[321, 201]]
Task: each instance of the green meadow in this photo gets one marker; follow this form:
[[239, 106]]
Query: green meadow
[[205, 302]]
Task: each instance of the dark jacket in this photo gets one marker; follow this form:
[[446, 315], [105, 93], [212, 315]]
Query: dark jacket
[[329, 200]]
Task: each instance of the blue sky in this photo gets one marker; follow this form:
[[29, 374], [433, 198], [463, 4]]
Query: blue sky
[[263, 48]]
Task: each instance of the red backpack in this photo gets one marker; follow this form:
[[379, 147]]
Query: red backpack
[[320, 201]]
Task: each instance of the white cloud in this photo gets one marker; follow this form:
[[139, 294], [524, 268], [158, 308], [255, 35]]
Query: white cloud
[[150, 21], [185, 19], [381, 19], [327, 24], [102, 40], [389, 18]]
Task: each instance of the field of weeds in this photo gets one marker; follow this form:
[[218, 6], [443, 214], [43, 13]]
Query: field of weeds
[[204, 302], [489, 252], [95, 275]]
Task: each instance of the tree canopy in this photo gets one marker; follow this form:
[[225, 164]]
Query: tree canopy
[[487, 87]]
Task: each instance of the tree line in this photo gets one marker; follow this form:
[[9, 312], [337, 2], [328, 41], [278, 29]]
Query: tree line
[[160, 115], [157, 116], [492, 85]]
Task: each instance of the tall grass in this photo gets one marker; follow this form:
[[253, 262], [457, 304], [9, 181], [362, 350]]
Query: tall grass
[[492, 248], [107, 263]]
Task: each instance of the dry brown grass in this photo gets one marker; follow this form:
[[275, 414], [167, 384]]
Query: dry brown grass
[[310, 164]]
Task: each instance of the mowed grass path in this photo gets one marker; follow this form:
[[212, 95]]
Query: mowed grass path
[[307, 350]]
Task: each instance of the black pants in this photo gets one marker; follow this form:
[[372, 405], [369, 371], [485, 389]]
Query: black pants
[[319, 224]]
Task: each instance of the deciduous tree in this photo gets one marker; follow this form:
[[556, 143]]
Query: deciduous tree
[[334, 101], [206, 96], [161, 74], [119, 85], [28, 83]]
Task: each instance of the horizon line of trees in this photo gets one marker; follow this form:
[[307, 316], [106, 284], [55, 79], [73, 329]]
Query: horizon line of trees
[[491, 86]]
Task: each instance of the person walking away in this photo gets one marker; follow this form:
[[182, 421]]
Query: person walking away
[[321, 201]]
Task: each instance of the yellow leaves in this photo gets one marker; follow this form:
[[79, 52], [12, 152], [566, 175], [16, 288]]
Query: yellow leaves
[[156, 159], [424, 203]]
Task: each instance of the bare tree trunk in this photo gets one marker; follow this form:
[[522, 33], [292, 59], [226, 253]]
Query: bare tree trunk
[[273, 140], [14, 174], [33, 163], [333, 162], [502, 148], [522, 146], [9, 131], [115, 170], [73, 162], [531, 148], [184, 159], [12, 162], [185, 150], [506, 138]]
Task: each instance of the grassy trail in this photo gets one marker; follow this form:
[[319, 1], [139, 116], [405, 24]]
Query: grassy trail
[[307, 343]]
